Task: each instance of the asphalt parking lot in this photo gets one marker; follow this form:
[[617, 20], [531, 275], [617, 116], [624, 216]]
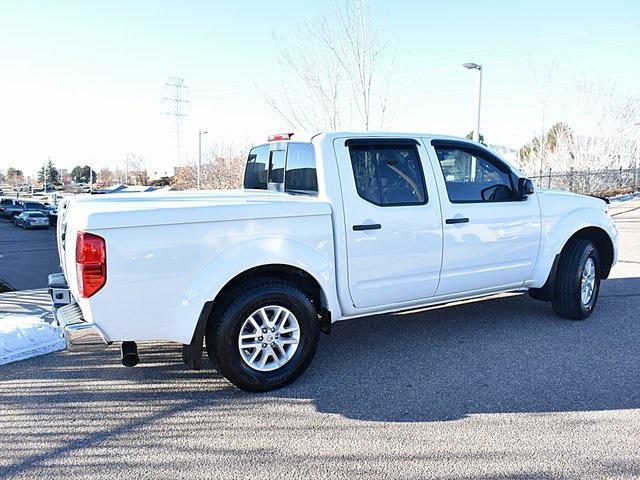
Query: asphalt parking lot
[[493, 388], [27, 257]]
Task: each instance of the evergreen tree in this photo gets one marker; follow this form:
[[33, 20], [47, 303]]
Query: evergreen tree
[[470, 137], [53, 176], [81, 174]]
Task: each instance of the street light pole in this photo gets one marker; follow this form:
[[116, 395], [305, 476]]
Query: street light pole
[[635, 161], [44, 176], [200, 133], [476, 66]]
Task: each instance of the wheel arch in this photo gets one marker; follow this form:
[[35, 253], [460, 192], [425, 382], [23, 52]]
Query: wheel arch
[[213, 308], [588, 223], [600, 238], [542, 288], [277, 271]]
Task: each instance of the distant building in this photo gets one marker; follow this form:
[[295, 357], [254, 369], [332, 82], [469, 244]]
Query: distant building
[[159, 173]]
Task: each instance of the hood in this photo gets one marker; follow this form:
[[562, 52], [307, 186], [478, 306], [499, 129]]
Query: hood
[[572, 200]]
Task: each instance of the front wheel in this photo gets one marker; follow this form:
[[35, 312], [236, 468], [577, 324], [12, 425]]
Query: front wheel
[[578, 280], [266, 337]]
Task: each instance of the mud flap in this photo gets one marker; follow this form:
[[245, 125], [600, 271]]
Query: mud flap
[[192, 353], [325, 322]]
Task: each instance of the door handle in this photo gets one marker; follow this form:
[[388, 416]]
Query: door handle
[[451, 221], [368, 226]]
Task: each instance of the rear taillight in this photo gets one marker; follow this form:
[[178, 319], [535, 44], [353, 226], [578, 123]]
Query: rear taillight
[[91, 263]]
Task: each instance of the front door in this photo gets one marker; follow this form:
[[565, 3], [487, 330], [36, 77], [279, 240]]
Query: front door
[[491, 237], [392, 220]]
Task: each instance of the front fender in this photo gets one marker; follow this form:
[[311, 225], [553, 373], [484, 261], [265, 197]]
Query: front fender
[[214, 275], [558, 229]]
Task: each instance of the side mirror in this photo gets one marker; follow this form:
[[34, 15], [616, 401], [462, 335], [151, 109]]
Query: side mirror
[[525, 187]]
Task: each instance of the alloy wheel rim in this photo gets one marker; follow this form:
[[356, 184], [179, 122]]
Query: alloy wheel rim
[[588, 282], [269, 338]]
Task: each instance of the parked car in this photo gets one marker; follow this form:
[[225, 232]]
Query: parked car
[[50, 188], [10, 207], [53, 215], [346, 225], [31, 219], [41, 207], [18, 206], [5, 202]]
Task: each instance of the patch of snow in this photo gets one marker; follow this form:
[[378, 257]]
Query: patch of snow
[[26, 336], [626, 197]]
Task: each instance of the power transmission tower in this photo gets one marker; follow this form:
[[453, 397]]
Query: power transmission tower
[[176, 87]]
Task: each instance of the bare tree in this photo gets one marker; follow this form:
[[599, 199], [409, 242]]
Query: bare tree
[[14, 177], [336, 72], [598, 131], [222, 169], [604, 133], [106, 177], [544, 76], [136, 169], [118, 176]]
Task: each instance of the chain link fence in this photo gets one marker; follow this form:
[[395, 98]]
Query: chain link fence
[[590, 181]]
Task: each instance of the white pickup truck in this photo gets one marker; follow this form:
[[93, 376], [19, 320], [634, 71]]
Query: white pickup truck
[[344, 225]]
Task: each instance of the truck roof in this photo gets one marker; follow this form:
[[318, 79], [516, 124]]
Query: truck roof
[[308, 137]]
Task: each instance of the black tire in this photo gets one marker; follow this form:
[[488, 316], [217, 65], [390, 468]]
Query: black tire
[[567, 301], [222, 335]]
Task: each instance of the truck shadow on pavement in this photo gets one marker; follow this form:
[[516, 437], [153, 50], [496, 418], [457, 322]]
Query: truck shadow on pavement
[[497, 355], [508, 354]]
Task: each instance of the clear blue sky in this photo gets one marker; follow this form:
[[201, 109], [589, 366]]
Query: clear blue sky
[[85, 80]]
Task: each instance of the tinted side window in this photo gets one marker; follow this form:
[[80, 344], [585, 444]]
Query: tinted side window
[[388, 174], [276, 170], [255, 175], [301, 168], [471, 176]]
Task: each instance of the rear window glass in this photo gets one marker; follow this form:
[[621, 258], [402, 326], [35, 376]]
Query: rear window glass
[[35, 214], [294, 166], [301, 168], [255, 175], [33, 205], [276, 168]]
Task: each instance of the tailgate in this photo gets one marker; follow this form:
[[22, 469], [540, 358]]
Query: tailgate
[[61, 231]]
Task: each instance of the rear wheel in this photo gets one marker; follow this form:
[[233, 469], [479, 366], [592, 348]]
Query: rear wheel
[[266, 337], [578, 280]]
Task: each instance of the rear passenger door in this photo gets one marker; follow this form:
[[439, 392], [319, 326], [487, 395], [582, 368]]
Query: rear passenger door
[[491, 237], [392, 220]]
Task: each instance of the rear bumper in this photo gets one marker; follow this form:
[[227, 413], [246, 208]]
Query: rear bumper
[[79, 335]]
